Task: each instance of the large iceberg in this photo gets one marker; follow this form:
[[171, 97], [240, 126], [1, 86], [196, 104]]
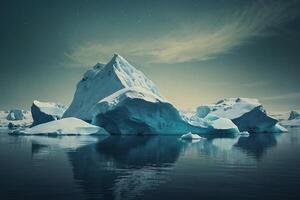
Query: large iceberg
[[248, 114], [43, 112], [121, 99], [66, 126], [102, 81]]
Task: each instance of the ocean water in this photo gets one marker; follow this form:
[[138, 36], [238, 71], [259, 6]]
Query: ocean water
[[261, 166]]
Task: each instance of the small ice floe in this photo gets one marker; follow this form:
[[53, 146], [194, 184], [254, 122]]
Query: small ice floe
[[65, 126], [244, 133], [190, 136]]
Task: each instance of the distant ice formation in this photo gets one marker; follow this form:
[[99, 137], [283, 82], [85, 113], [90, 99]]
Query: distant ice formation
[[294, 115], [43, 112], [15, 114], [293, 120], [248, 114], [15, 118]]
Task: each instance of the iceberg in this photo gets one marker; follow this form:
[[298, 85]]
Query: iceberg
[[244, 133], [104, 80], [43, 112], [294, 115], [293, 120], [221, 123], [217, 125], [122, 100], [202, 111], [15, 114], [248, 114], [66, 126], [190, 136], [8, 118]]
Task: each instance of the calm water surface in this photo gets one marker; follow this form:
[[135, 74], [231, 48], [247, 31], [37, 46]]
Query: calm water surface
[[261, 166]]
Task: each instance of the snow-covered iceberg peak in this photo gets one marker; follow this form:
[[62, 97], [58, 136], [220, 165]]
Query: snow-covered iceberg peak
[[104, 80], [130, 76]]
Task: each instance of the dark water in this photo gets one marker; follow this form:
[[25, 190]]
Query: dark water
[[261, 166]]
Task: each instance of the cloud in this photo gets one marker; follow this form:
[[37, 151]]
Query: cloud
[[288, 96], [255, 84], [248, 85], [196, 44]]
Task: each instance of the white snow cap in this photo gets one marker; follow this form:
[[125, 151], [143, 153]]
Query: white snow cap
[[233, 108], [110, 102]]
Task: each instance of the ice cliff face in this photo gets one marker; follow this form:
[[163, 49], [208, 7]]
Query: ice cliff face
[[248, 114], [43, 112], [104, 80], [139, 111]]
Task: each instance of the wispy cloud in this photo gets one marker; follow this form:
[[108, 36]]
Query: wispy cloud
[[288, 96], [196, 44], [255, 84]]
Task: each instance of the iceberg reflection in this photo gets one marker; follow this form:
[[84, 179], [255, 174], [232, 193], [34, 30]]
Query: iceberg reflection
[[124, 167], [256, 144]]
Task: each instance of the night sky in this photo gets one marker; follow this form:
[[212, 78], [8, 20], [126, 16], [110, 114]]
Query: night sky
[[195, 51]]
